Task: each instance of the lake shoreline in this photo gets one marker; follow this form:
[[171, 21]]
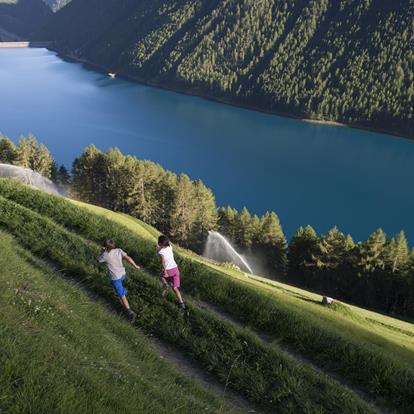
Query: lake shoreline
[[203, 95]]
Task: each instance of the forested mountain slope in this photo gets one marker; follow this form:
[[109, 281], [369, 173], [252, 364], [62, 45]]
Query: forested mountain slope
[[345, 60], [22, 17]]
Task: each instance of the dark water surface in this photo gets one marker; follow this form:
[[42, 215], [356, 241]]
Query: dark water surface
[[307, 173]]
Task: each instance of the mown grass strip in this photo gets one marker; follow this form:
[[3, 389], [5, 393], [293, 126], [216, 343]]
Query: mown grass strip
[[234, 355]]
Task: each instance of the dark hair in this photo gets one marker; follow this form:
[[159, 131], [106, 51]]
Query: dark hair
[[109, 244], [163, 241]]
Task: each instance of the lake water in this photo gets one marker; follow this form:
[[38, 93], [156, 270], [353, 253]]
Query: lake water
[[307, 173]]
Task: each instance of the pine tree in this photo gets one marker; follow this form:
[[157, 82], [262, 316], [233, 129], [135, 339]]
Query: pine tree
[[54, 172], [372, 253], [332, 249], [227, 218], [272, 243], [334, 258], [256, 226], [32, 145], [63, 176], [302, 249], [164, 194], [147, 200], [244, 230], [139, 198], [183, 212], [396, 263], [23, 154], [397, 254], [371, 270], [31, 154], [41, 159], [89, 176], [8, 152], [206, 215], [117, 180]]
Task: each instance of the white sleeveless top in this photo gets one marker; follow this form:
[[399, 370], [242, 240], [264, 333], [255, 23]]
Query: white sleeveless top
[[168, 255]]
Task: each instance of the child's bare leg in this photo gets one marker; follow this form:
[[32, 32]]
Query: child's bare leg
[[165, 286], [131, 314], [124, 302], [178, 294], [163, 282]]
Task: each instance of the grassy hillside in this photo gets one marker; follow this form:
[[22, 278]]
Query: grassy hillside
[[262, 373], [62, 352], [370, 352], [394, 335], [22, 17], [342, 60]]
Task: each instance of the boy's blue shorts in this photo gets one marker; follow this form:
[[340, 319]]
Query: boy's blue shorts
[[118, 287]]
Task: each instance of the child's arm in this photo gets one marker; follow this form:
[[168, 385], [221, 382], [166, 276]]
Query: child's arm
[[131, 261], [101, 258], [163, 265]]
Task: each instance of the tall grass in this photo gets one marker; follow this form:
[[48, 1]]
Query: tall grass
[[235, 356], [61, 352]]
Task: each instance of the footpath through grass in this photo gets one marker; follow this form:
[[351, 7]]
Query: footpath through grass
[[233, 355], [63, 353]]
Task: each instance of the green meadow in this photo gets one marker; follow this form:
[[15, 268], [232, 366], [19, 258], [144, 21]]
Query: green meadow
[[314, 359]]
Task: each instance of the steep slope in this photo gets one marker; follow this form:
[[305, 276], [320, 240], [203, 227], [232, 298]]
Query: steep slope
[[343, 60], [22, 17], [396, 337], [371, 352], [63, 352]]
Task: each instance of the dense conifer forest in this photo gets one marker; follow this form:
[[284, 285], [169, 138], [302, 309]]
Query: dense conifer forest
[[22, 17], [377, 273], [350, 61]]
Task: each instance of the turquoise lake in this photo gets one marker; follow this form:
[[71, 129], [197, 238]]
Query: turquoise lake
[[307, 173]]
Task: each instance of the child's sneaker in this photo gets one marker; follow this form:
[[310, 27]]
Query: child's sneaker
[[182, 306], [132, 316]]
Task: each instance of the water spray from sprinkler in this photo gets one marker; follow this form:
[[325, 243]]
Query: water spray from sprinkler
[[27, 176], [218, 248]]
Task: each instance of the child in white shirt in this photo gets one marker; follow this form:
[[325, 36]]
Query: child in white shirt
[[113, 258], [170, 275]]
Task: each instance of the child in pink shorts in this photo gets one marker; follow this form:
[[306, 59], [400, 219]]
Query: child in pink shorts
[[170, 275]]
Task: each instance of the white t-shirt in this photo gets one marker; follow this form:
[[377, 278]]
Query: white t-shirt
[[168, 255], [113, 259]]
